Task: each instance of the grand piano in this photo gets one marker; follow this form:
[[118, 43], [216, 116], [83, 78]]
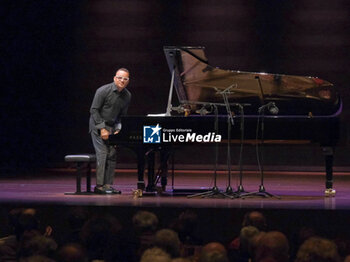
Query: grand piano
[[289, 108]]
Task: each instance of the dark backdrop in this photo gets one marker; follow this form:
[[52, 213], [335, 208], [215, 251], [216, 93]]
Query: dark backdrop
[[55, 54]]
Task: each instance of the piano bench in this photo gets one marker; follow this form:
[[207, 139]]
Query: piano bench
[[83, 166]]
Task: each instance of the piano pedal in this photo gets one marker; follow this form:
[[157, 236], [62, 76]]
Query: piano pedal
[[329, 192]]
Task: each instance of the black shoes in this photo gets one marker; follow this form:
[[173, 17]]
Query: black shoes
[[111, 190], [100, 190], [104, 190]]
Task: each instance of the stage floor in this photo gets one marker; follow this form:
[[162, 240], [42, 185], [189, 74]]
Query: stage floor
[[297, 190]]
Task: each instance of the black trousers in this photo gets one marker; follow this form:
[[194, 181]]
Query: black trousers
[[105, 160]]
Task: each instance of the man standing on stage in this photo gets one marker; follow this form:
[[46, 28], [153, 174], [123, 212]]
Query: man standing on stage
[[111, 101]]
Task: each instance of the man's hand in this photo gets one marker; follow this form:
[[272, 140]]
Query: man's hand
[[117, 131], [104, 134]]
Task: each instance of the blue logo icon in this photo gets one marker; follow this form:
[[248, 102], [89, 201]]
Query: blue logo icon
[[151, 134]]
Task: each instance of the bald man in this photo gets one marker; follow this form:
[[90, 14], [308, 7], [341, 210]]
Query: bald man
[[110, 102]]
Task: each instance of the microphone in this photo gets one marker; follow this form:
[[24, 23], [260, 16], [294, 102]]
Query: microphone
[[273, 109], [203, 111], [180, 109], [271, 106]]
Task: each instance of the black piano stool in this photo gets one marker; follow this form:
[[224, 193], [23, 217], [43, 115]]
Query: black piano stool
[[83, 165]]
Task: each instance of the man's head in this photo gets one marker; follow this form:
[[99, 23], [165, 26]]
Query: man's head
[[214, 246], [121, 78], [155, 254], [213, 252], [246, 237], [27, 220], [255, 219], [318, 249], [145, 221], [273, 244], [169, 241], [72, 252]]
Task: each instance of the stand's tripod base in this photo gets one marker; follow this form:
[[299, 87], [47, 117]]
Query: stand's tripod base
[[329, 192], [240, 189], [261, 193], [229, 193], [240, 192], [213, 193], [229, 190]]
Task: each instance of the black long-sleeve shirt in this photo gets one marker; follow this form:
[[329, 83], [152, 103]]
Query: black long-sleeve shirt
[[107, 107]]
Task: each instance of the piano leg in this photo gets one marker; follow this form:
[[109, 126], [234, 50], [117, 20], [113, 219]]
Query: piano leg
[[140, 169], [328, 153], [151, 187], [164, 157], [150, 156]]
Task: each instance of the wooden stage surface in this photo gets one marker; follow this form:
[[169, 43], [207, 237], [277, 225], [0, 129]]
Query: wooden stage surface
[[302, 201], [297, 190]]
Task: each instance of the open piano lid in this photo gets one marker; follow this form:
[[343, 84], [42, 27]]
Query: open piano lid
[[197, 81]]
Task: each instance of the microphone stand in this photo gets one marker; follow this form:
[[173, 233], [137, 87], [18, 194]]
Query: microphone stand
[[240, 190], [230, 122], [259, 153], [215, 191]]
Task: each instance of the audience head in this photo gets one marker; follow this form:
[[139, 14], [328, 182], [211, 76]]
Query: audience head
[[77, 216], [188, 220], [305, 233], [246, 237], [36, 245], [213, 252], [255, 242], [145, 221], [273, 245], [100, 235], [169, 241], [185, 225], [214, 246], [72, 253], [255, 219], [26, 221], [155, 254], [317, 249]]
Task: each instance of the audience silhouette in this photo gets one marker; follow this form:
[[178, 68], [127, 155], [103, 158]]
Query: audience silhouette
[[101, 238]]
